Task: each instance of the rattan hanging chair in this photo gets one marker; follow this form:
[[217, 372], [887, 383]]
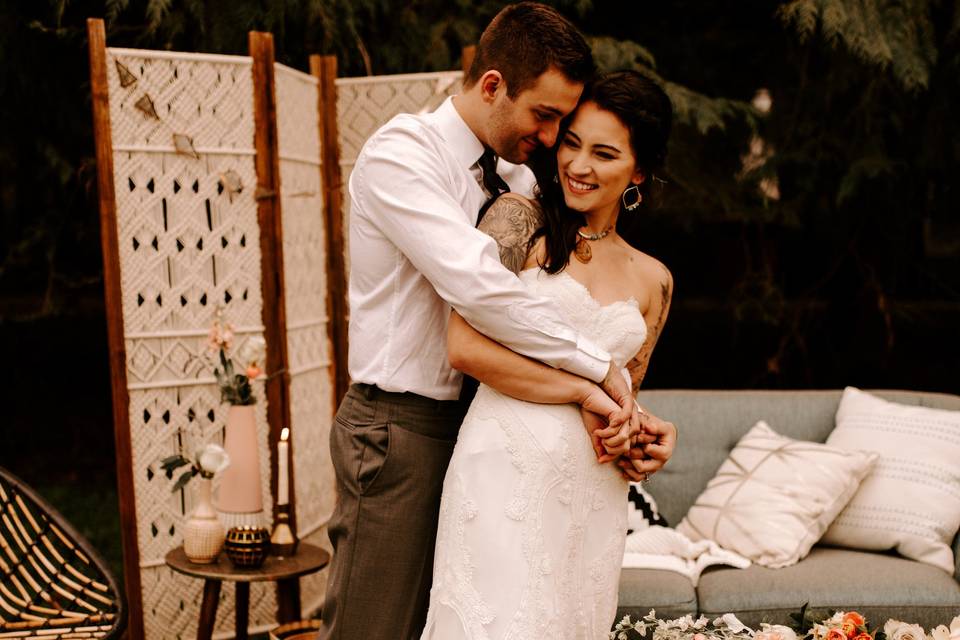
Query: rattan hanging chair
[[52, 584]]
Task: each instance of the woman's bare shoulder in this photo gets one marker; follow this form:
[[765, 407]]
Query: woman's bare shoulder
[[651, 274]]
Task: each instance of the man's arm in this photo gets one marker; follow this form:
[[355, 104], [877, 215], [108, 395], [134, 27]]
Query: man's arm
[[525, 379], [511, 222], [402, 187]]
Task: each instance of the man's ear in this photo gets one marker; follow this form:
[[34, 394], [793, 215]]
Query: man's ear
[[491, 83]]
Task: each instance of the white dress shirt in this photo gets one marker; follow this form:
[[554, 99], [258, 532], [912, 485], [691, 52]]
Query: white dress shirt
[[415, 252]]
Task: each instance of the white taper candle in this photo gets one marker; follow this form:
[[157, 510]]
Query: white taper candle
[[283, 454]]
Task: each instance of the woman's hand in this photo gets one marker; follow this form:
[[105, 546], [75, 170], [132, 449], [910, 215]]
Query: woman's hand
[[601, 417], [651, 450]]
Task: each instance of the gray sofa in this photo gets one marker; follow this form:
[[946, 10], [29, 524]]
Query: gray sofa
[[879, 585]]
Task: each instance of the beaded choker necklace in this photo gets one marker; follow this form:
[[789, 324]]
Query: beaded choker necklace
[[582, 250]]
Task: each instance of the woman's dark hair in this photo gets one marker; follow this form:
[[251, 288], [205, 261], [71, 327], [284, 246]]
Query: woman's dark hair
[[645, 110]]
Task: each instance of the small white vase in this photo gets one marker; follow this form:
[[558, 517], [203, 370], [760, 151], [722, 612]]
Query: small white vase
[[203, 533]]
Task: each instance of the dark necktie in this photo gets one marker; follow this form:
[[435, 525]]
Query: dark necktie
[[492, 182], [495, 185]]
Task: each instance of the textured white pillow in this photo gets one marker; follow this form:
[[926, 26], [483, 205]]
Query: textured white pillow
[[773, 497], [911, 500]]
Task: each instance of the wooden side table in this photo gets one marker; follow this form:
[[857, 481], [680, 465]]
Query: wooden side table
[[284, 571]]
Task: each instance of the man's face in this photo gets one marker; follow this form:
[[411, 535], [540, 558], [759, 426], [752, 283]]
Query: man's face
[[532, 118]]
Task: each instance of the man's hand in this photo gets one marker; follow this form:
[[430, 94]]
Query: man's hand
[[650, 450]]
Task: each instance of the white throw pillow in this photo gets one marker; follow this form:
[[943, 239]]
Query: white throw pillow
[[911, 500], [773, 497]]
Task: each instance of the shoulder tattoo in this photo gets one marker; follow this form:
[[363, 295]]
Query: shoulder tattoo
[[511, 222], [639, 364]]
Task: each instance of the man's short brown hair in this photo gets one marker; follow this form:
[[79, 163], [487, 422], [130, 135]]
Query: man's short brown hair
[[526, 39]]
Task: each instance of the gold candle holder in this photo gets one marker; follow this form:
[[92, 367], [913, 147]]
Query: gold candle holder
[[282, 541], [246, 546]]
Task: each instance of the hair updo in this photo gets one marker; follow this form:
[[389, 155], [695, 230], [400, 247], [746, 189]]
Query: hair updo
[[643, 107]]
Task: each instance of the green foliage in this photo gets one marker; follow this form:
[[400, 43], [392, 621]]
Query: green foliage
[[892, 34], [800, 621], [690, 107], [172, 463], [234, 387]]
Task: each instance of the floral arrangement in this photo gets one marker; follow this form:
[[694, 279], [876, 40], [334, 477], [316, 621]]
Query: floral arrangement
[[726, 627], [235, 385], [208, 462], [842, 625]]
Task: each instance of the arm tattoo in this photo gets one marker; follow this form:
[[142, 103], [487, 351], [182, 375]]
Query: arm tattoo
[[638, 366], [511, 221]]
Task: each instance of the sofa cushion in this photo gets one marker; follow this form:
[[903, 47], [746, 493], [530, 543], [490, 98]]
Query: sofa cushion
[[910, 501], [670, 593], [774, 496], [878, 585], [642, 511], [710, 423]]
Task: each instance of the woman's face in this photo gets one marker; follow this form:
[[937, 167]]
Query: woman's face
[[595, 161]]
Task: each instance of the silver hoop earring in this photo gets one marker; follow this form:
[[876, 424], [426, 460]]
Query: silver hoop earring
[[636, 203]]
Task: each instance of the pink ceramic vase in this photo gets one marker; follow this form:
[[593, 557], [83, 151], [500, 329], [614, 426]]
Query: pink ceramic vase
[[239, 500]]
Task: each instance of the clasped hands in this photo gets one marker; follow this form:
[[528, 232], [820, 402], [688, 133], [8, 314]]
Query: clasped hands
[[639, 443]]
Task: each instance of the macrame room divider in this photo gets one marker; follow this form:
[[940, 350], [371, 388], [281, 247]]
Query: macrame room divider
[[220, 187]]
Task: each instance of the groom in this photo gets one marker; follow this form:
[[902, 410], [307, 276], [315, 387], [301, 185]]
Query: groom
[[416, 191]]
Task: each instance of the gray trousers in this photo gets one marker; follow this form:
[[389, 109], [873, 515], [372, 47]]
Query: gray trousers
[[390, 452]]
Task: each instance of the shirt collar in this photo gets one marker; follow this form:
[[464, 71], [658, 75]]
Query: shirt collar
[[462, 141]]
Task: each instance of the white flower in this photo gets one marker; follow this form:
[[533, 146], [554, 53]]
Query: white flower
[[685, 622], [955, 629], [732, 622], [212, 459], [897, 630], [701, 622], [775, 632], [253, 351], [940, 633]]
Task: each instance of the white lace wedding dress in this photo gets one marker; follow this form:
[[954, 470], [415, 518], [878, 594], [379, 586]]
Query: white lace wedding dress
[[532, 528]]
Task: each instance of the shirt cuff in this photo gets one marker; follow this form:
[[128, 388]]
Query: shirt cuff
[[589, 362]]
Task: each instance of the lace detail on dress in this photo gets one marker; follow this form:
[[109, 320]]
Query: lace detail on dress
[[618, 327], [532, 528]]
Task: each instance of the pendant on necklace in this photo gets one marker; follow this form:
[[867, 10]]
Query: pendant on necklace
[[582, 251]]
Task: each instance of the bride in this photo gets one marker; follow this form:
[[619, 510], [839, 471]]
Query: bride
[[533, 518]]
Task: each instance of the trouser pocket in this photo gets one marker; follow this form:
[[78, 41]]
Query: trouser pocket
[[359, 453]]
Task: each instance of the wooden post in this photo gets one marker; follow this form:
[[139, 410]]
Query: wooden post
[[466, 57], [324, 68], [113, 303], [269, 218]]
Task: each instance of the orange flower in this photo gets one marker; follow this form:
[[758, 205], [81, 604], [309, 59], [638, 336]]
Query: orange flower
[[849, 628], [836, 634], [855, 618], [864, 636]]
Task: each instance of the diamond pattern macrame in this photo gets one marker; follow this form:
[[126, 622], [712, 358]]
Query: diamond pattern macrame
[[186, 247]]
